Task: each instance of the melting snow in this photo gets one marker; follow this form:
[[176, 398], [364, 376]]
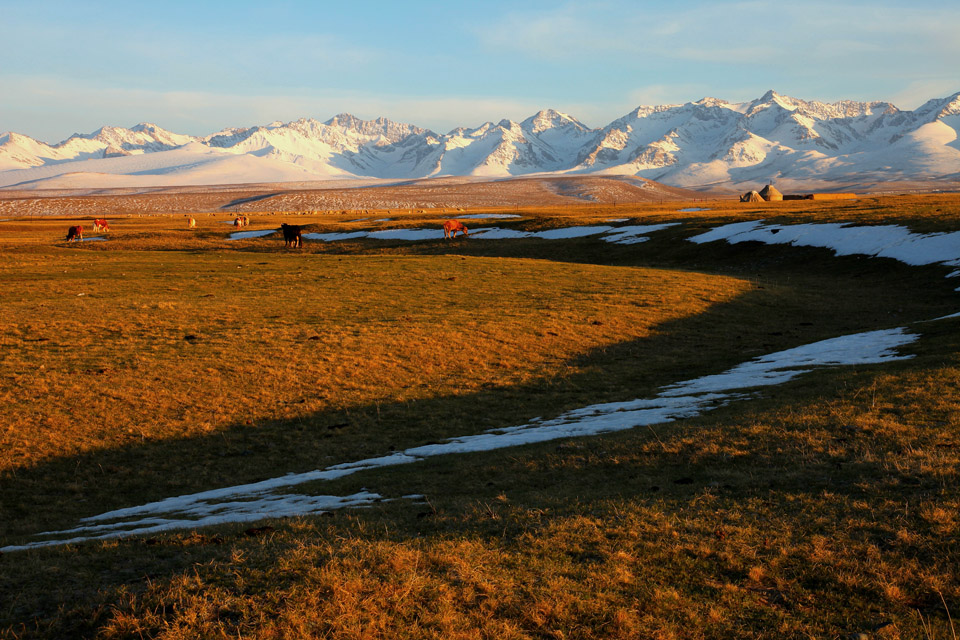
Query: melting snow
[[888, 241], [482, 216], [334, 237], [240, 235], [621, 235], [407, 234], [686, 399]]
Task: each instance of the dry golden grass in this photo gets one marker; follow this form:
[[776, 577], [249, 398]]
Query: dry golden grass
[[824, 508]]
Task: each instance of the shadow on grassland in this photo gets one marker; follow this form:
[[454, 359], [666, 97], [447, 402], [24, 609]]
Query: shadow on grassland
[[725, 474], [822, 301], [727, 334]]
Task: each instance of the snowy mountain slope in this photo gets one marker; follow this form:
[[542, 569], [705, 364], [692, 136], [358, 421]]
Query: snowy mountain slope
[[710, 142], [18, 152]]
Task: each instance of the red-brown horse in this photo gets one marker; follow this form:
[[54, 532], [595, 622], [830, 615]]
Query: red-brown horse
[[451, 227]]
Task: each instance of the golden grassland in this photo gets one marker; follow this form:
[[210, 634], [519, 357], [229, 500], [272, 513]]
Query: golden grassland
[[165, 361]]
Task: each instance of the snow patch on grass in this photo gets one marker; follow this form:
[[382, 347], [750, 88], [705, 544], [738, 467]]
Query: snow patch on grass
[[240, 235], [881, 241], [620, 235], [483, 216], [245, 503]]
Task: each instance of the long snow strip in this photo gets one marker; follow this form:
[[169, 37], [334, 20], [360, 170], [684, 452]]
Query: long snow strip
[[630, 234], [260, 500]]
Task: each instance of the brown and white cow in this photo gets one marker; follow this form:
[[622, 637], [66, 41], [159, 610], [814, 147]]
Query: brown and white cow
[[100, 224], [75, 233], [451, 227], [192, 223]]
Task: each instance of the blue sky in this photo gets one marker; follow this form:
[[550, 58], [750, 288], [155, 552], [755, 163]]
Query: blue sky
[[196, 67]]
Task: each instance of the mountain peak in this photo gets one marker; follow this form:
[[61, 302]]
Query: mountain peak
[[711, 102], [745, 142], [951, 105], [550, 119], [342, 120], [784, 102]]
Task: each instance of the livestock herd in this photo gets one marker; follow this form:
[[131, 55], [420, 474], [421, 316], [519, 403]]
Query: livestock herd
[[292, 233]]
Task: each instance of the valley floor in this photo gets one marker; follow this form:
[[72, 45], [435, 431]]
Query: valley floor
[[169, 362]]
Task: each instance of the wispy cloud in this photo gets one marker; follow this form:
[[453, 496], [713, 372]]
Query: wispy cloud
[[762, 33]]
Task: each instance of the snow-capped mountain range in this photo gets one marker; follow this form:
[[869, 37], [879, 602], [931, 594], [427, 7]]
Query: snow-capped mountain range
[[708, 143]]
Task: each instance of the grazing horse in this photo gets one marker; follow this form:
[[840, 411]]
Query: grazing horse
[[450, 228], [192, 223], [75, 233], [100, 224], [291, 235]]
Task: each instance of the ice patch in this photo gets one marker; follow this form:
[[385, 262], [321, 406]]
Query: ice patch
[[240, 235], [572, 232], [952, 315], [886, 241], [407, 234], [279, 506], [334, 237], [245, 503], [620, 235], [634, 233], [496, 233], [482, 216]]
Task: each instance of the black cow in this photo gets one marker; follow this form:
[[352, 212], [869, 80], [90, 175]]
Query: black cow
[[75, 233], [291, 235]]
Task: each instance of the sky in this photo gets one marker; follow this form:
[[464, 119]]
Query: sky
[[198, 67]]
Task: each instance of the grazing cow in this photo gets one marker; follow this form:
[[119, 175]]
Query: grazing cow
[[100, 224], [450, 228], [291, 234], [75, 233], [237, 222], [192, 223], [245, 221]]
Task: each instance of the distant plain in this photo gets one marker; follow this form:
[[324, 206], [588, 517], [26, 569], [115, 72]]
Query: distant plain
[[164, 361]]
